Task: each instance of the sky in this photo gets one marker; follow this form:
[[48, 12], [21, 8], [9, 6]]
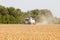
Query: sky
[[25, 5]]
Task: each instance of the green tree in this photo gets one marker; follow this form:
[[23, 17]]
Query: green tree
[[3, 10], [0, 18], [11, 11]]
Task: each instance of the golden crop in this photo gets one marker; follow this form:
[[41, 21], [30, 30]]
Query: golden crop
[[29, 32]]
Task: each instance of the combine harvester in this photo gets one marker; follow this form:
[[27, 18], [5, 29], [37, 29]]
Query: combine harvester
[[29, 20]]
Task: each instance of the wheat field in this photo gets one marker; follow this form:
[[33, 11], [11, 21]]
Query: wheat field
[[29, 32]]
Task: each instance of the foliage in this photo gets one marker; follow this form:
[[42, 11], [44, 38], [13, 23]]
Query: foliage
[[11, 15]]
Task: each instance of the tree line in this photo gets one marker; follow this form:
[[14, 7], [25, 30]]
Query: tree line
[[11, 15]]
